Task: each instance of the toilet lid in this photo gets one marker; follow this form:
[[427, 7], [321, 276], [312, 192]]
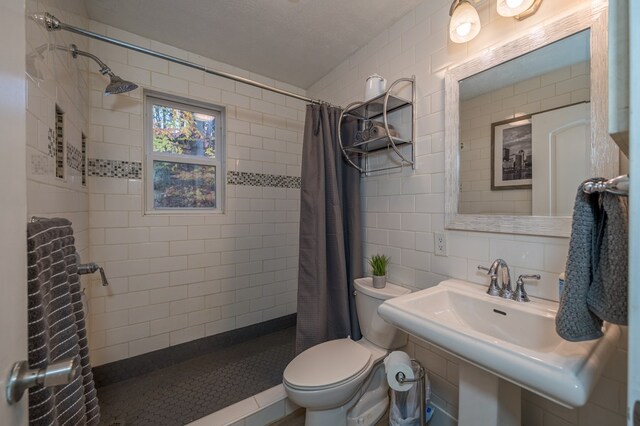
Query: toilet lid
[[327, 364]]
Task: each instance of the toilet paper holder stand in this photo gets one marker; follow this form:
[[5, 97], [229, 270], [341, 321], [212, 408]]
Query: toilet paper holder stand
[[419, 379]]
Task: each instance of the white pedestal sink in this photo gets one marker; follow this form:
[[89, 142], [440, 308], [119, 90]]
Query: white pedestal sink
[[504, 345]]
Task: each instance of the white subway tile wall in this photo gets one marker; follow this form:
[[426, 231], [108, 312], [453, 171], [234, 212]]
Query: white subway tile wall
[[404, 209], [53, 79], [176, 278]]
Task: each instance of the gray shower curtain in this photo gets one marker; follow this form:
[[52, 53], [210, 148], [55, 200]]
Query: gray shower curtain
[[330, 233]]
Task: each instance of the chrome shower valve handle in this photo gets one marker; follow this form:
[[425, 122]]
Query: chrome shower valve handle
[[91, 268]]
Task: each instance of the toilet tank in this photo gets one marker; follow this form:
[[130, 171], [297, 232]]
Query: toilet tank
[[373, 327]]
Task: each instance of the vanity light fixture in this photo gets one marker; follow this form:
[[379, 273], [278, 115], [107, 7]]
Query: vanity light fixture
[[465, 21], [519, 9]]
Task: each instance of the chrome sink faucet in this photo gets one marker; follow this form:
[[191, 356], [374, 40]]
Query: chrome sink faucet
[[499, 268]]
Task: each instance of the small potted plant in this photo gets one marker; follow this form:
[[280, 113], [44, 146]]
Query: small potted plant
[[379, 263]]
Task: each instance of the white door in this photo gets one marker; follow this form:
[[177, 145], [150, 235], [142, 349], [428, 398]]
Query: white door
[[13, 203], [561, 158]]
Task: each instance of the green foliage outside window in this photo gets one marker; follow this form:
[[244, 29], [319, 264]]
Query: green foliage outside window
[[183, 185], [183, 132], [177, 184]]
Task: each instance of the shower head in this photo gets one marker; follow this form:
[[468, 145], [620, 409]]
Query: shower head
[[116, 84]]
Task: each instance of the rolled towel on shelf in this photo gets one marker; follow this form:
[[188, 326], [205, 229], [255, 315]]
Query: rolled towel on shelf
[[374, 130], [379, 131]]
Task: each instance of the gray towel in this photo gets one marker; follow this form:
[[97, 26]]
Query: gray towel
[[574, 321], [56, 326], [607, 297]]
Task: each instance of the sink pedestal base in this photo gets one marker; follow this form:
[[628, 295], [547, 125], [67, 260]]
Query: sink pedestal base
[[486, 399]]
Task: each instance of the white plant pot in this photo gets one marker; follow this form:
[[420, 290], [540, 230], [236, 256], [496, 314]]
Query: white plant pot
[[379, 281]]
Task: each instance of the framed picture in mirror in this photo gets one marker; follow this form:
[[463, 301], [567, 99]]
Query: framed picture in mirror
[[511, 154]]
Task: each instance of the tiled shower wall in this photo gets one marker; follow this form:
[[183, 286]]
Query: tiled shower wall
[[176, 278], [56, 80], [404, 209]]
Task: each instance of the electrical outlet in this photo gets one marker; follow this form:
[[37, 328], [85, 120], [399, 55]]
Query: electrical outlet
[[440, 244]]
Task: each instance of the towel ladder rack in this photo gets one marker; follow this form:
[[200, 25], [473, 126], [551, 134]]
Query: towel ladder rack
[[619, 186]]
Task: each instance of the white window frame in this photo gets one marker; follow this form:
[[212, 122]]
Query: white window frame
[[155, 98]]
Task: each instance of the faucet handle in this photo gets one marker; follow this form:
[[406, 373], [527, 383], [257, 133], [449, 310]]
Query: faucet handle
[[520, 294], [103, 276], [529, 277], [483, 268]]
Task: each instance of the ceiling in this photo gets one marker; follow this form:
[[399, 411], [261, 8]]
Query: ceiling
[[293, 41]]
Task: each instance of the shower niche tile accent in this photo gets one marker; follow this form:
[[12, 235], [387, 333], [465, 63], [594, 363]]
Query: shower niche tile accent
[[59, 143], [74, 158], [83, 154], [51, 145]]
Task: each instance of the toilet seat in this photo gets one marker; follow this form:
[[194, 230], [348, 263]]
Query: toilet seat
[[327, 365]]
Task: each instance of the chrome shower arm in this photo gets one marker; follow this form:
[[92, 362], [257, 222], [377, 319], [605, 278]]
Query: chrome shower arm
[[104, 69], [51, 23]]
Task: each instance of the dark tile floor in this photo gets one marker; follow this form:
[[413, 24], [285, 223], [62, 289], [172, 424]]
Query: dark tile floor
[[187, 391]]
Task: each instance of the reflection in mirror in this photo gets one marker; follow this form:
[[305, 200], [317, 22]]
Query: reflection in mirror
[[525, 134]]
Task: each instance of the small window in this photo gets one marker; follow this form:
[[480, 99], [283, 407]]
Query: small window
[[184, 155]]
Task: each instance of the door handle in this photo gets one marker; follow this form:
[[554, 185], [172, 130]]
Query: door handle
[[22, 378]]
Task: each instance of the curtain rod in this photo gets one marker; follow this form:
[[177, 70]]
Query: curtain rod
[[51, 23]]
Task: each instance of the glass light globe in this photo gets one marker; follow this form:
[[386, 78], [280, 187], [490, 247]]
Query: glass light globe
[[463, 29], [464, 24], [511, 8]]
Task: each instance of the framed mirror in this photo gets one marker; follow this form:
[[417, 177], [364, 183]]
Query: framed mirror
[[525, 124]]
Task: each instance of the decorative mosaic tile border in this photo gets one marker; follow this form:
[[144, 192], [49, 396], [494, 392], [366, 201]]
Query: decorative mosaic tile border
[[260, 179], [115, 168], [133, 170], [59, 144], [83, 155], [42, 165], [74, 158], [51, 145]]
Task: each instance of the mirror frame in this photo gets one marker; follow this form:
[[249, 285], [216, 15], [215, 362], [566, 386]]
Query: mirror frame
[[604, 152]]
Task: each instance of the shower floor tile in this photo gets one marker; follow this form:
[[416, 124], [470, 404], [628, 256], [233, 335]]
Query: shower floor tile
[[187, 391]]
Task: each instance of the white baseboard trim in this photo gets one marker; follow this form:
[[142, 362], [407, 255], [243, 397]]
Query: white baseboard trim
[[261, 409]]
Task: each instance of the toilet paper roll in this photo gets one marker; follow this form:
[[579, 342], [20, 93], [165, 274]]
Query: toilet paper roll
[[398, 362]]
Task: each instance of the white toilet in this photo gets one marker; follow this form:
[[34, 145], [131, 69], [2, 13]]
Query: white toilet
[[342, 382]]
